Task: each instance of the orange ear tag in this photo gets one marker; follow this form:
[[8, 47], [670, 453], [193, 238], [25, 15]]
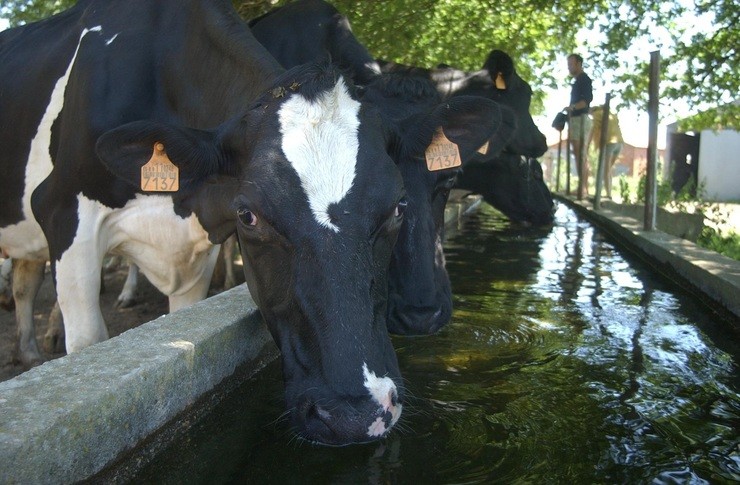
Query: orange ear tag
[[442, 154], [159, 174], [483, 149], [500, 83]]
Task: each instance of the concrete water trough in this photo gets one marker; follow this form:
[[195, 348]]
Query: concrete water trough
[[72, 417], [68, 418], [710, 275]]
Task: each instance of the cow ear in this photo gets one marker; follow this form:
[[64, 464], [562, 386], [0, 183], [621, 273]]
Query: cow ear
[[195, 153], [474, 124]]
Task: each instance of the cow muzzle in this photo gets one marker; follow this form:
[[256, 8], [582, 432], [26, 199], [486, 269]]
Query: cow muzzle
[[345, 421]]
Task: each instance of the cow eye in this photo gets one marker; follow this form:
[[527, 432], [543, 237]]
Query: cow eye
[[246, 217], [400, 207]]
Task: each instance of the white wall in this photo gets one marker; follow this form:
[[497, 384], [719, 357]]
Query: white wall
[[719, 164]]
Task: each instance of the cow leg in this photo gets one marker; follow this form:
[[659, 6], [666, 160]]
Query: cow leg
[[199, 290], [54, 337], [219, 271], [227, 249], [127, 298], [114, 262], [78, 293], [608, 173], [27, 278], [6, 287]]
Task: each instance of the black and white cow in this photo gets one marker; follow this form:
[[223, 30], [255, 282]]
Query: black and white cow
[[507, 175], [110, 99]]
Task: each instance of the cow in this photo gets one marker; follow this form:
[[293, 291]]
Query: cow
[[154, 130], [420, 300]]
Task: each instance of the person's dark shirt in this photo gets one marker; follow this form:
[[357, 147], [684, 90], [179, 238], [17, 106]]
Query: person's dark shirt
[[581, 90]]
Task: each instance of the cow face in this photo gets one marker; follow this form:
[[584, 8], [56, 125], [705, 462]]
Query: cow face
[[316, 228], [419, 293]]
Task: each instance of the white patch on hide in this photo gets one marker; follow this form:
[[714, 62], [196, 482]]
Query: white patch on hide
[[382, 390], [174, 254], [320, 140]]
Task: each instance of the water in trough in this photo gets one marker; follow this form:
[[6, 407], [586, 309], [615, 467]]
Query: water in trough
[[567, 361]]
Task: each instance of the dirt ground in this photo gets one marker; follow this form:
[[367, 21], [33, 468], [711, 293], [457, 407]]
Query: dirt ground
[[150, 304]]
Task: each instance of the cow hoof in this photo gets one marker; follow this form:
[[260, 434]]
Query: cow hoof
[[28, 359], [122, 303], [54, 343]]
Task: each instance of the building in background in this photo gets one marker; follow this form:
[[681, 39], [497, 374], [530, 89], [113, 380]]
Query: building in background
[[711, 157]]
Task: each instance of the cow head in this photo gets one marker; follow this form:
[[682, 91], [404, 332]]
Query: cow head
[[305, 179], [506, 87], [512, 184], [419, 293], [508, 176]]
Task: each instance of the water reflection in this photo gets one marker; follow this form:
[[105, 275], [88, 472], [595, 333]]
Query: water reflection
[[566, 361]]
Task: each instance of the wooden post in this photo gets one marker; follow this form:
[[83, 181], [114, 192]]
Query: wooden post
[[557, 170], [602, 150], [567, 160], [651, 186]]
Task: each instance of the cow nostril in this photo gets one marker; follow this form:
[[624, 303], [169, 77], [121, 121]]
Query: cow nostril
[[393, 397]]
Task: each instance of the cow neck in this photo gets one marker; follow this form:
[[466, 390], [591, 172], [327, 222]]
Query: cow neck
[[227, 68]]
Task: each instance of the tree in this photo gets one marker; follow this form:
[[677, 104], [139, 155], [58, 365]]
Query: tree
[[698, 67], [698, 45], [19, 12]]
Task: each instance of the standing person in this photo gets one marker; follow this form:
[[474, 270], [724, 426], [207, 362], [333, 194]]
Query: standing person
[[614, 142], [579, 121]]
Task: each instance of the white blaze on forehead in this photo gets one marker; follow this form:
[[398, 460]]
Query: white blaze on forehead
[[383, 391], [320, 140]]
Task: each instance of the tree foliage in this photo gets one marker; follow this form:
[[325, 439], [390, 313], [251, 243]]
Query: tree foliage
[[697, 67], [23, 11]]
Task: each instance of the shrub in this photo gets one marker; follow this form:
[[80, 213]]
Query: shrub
[[713, 237]]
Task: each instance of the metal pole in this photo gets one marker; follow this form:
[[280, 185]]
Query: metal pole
[[567, 160], [602, 150], [581, 161], [651, 187], [557, 170]]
